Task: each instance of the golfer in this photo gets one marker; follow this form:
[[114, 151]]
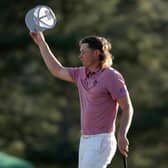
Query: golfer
[[102, 90]]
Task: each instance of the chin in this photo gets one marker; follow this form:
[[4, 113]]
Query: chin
[[84, 64]]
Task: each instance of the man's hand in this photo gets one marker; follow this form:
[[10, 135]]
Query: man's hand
[[123, 144], [38, 37], [125, 122]]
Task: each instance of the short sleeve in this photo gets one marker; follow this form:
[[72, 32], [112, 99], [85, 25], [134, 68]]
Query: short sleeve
[[74, 73], [116, 85]]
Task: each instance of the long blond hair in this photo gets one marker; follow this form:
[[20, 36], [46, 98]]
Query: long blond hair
[[102, 44]]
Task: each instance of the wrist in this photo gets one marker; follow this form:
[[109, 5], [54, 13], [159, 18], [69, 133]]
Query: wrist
[[122, 134], [42, 44]]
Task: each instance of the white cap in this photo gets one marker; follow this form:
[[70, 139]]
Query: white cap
[[40, 18]]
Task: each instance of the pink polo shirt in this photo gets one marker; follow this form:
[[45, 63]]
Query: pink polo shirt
[[98, 94]]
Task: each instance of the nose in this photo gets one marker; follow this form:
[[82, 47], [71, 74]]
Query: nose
[[80, 56]]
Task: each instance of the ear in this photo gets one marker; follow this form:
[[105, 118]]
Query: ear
[[97, 52]]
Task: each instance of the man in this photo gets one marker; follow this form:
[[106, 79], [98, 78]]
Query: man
[[102, 90]]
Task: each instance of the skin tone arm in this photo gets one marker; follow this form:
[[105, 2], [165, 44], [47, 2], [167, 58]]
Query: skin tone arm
[[125, 122], [54, 66]]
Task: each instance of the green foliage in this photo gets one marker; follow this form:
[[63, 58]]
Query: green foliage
[[39, 115]]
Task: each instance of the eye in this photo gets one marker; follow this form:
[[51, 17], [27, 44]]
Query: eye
[[81, 52]]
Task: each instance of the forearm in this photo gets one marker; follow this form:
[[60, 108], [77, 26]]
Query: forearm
[[50, 60], [125, 121]]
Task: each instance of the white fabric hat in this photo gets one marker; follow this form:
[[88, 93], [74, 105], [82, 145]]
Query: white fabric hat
[[40, 18]]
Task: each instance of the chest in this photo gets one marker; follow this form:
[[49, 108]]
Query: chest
[[92, 87]]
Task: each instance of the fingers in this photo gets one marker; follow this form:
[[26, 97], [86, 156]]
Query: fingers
[[123, 145], [124, 150], [33, 34], [37, 37]]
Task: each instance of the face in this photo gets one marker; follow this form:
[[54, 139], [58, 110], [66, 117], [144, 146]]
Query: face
[[88, 56]]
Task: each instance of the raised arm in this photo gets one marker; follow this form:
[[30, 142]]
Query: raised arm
[[125, 122], [54, 66]]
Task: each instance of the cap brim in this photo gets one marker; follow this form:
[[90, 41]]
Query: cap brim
[[29, 20]]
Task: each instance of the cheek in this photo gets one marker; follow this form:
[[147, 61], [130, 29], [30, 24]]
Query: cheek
[[86, 57], [89, 58]]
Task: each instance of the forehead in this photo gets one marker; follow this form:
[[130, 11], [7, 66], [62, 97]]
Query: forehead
[[84, 46]]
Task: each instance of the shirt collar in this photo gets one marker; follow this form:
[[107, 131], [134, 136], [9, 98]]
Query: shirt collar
[[90, 73]]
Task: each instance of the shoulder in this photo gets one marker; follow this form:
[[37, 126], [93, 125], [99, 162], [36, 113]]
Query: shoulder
[[76, 72], [77, 69], [112, 73]]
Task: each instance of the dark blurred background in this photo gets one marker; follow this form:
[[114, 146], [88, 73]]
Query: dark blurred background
[[39, 114]]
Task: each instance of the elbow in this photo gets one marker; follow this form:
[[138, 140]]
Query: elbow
[[55, 71], [131, 110]]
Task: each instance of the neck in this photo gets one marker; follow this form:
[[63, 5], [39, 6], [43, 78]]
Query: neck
[[94, 67]]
